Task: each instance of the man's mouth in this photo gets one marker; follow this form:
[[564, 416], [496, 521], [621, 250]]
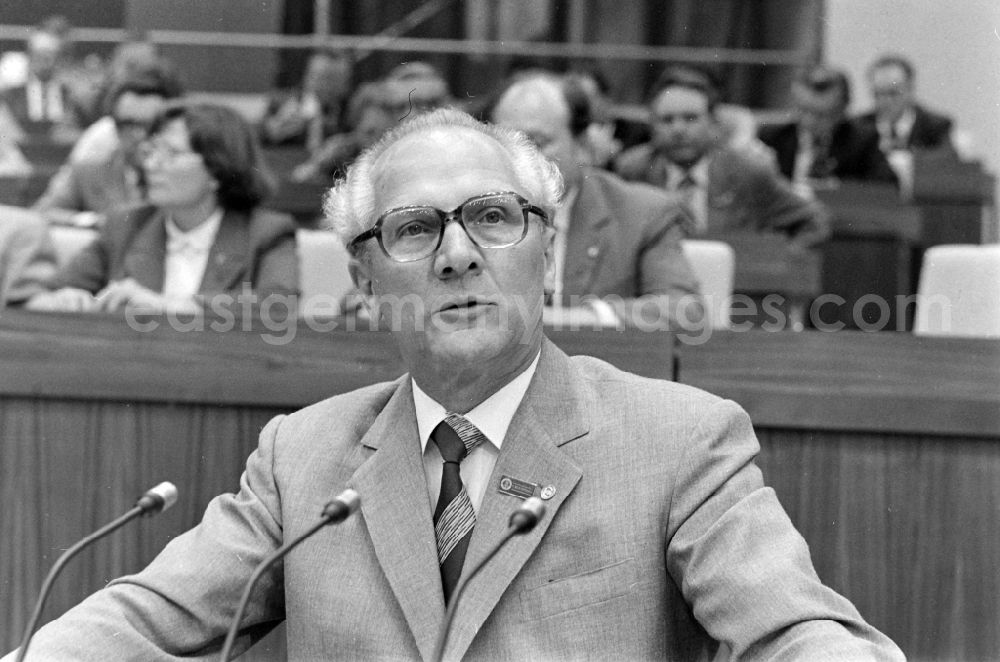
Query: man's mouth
[[470, 304]]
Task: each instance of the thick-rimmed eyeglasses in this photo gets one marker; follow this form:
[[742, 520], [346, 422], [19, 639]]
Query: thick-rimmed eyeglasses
[[492, 220]]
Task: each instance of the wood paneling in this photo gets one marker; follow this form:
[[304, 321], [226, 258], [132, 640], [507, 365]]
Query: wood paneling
[[884, 449]]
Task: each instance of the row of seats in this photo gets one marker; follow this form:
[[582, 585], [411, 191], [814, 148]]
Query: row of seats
[[958, 293]]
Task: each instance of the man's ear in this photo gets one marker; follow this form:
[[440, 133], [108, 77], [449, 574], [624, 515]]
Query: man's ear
[[361, 275]]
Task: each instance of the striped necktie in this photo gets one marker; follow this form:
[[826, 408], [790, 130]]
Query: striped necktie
[[454, 517]]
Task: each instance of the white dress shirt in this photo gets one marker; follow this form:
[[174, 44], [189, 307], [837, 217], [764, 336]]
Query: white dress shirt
[[44, 100], [187, 256], [492, 416], [896, 135]]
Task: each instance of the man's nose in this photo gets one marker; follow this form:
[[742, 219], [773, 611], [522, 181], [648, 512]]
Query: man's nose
[[457, 255]]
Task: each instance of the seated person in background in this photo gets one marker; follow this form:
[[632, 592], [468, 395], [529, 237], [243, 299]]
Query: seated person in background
[[202, 232], [822, 145], [27, 257], [371, 111], [41, 102], [416, 87], [616, 240], [725, 188], [83, 191], [901, 122], [660, 540], [136, 56], [600, 139], [904, 126], [310, 114]]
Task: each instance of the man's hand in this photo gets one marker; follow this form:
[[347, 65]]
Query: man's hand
[[67, 299]]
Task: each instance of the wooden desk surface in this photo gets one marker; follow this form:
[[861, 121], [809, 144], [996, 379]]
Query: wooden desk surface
[[852, 380], [289, 364]]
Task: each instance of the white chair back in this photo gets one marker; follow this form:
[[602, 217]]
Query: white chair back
[[323, 275], [713, 263], [959, 292]]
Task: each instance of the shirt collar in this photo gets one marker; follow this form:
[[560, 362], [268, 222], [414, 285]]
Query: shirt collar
[[200, 238], [492, 416], [698, 172]]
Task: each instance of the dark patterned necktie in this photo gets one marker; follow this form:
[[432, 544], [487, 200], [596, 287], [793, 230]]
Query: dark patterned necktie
[[692, 220], [454, 517]]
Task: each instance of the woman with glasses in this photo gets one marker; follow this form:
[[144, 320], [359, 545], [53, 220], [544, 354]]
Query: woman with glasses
[[200, 239]]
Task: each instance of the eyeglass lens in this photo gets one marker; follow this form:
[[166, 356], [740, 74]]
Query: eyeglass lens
[[492, 221]]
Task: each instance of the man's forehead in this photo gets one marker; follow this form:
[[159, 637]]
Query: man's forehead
[[440, 159], [436, 144], [535, 97], [680, 98]]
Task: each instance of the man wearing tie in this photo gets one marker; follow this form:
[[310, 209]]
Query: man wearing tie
[[727, 188], [617, 241], [821, 145], [659, 541]]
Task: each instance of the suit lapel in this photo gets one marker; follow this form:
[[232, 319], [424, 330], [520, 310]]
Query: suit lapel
[[587, 239], [391, 483], [227, 260], [550, 415], [145, 254]]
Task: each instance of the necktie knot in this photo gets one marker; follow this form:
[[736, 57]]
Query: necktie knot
[[687, 181], [456, 437]]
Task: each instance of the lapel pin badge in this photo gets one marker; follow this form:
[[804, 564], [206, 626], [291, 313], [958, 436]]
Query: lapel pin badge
[[521, 489], [548, 492]]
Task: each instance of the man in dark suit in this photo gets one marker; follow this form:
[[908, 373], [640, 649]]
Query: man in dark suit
[[727, 188], [617, 241], [659, 539], [900, 122], [821, 143]]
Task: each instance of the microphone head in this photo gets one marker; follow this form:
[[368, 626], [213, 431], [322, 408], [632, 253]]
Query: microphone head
[[158, 499], [342, 506], [527, 515]]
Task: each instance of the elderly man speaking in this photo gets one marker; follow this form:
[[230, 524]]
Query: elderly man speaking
[[660, 540]]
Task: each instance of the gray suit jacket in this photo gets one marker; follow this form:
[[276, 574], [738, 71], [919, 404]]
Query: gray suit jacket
[[256, 248], [659, 541], [624, 242], [88, 185], [745, 192], [27, 255]]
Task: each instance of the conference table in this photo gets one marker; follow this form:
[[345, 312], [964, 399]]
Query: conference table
[[884, 448]]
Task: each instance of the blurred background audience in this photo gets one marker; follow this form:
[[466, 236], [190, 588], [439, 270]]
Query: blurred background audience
[[312, 112], [734, 152], [93, 183], [723, 186], [820, 144], [200, 232], [614, 239]]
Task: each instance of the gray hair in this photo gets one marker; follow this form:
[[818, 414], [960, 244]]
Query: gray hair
[[349, 206]]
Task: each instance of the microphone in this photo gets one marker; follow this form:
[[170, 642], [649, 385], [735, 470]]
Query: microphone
[[334, 512], [154, 501], [522, 520]]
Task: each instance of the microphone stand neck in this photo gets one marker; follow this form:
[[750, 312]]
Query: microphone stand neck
[[36, 615], [463, 581]]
